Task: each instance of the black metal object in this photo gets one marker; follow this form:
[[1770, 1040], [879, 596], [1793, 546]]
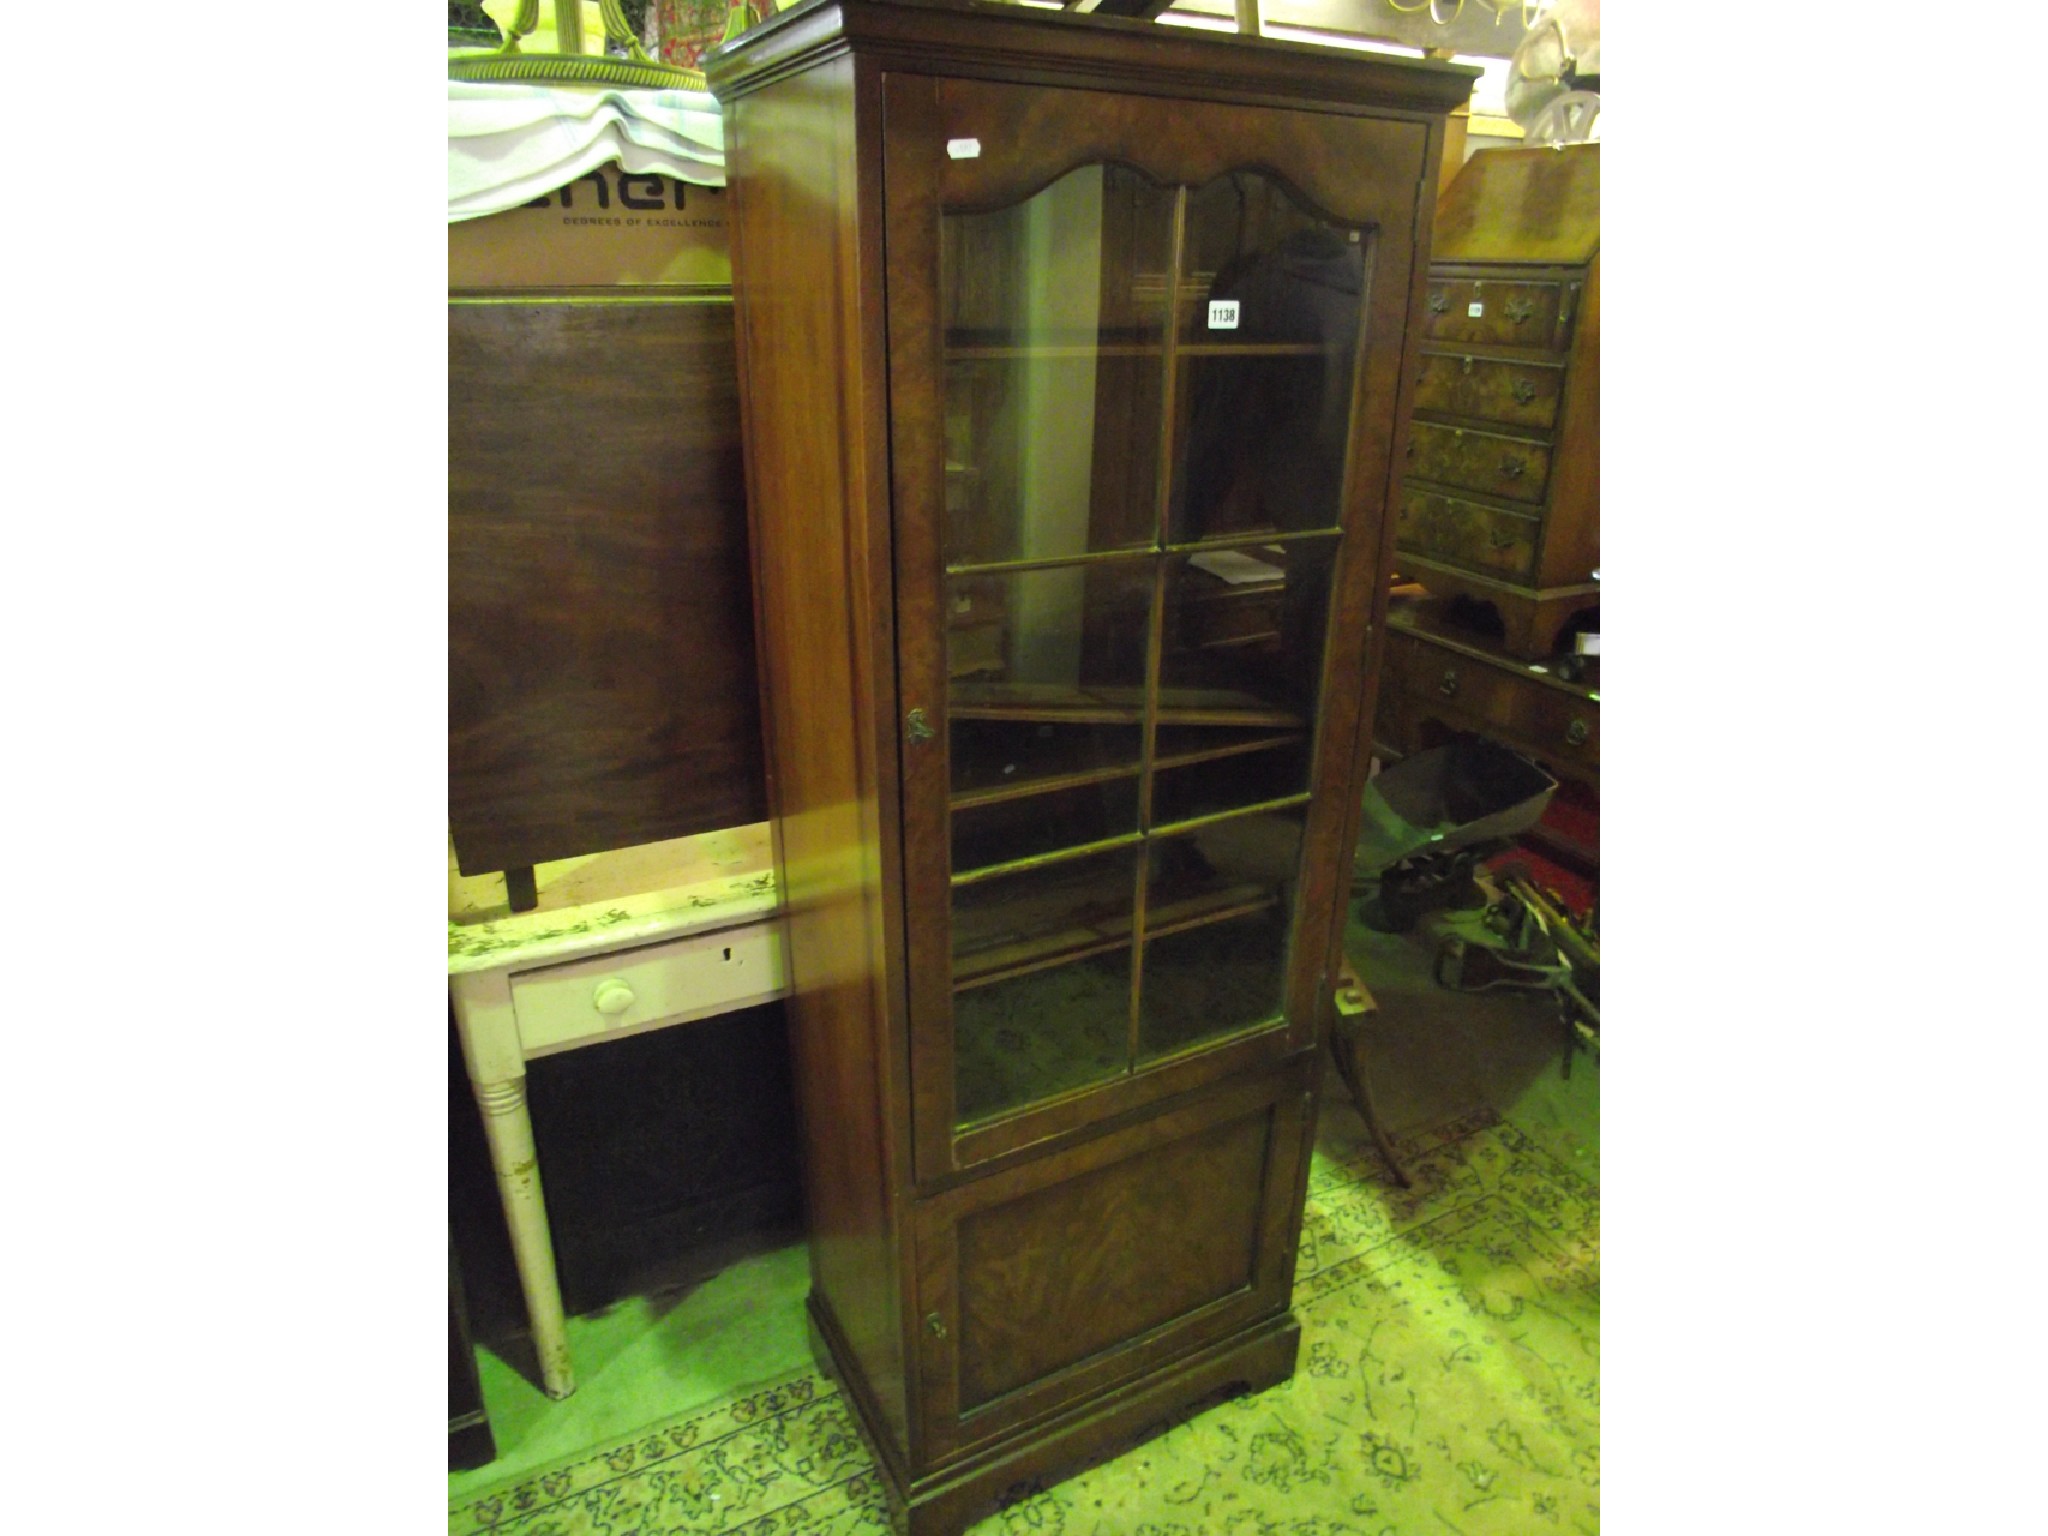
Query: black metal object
[[470, 1442], [1431, 819], [1529, 941]]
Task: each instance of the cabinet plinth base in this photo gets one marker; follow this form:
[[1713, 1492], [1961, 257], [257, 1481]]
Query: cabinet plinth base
[[1531, 617], [946, 1502]]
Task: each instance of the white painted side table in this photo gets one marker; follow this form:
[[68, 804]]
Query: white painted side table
[[620, 943]]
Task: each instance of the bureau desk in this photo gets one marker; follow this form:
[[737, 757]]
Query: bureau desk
[[620, 943], [1500, 493]]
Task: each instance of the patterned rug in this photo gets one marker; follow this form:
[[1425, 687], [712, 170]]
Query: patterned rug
[[1448, 1383]]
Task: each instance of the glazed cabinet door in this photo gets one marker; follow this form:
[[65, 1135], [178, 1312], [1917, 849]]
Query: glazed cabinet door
[[1143, 357], [1056, 1280]]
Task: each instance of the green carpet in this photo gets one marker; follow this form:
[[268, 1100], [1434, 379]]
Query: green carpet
[[1449, 1382]]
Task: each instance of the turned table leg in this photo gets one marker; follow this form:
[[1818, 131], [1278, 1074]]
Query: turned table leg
[[497, 1072], [510, 1133]]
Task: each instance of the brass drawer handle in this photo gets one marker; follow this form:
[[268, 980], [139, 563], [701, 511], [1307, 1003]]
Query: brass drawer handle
[[1523, 391], [1512, 468], [1518, 310], [1448, 684], [920, 729], [1576, 733]]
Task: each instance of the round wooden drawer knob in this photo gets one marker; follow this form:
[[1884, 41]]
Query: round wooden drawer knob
[[613, 998]]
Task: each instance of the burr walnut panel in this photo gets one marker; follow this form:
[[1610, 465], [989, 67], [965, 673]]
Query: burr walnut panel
[[1071, 1270], [1465, 533], [1512, 467], [1522, 394], [1508, 314]]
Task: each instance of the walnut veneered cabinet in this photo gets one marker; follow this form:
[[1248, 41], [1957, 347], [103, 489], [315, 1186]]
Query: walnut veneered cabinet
[[1502, 495], [1071, 356]]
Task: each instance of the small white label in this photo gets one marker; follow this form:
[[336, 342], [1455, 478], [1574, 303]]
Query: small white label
[[1474, 310], [963, 149], [1223, 314]]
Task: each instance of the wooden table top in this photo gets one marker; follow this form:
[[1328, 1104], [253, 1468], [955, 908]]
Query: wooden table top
[[608, 901]]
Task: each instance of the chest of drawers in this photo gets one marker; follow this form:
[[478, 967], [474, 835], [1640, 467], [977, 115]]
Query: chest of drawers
[[1500, 493]]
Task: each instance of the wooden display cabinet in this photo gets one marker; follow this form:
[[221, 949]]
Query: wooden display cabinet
[[1072, 354]]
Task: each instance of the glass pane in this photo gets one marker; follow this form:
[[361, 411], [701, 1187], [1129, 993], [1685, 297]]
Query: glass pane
[[1047, 706], [1218, 907], [1242, 652], [1042, 971], [998, 832], [1038, 916], [1055, 313], [1032, 1036], [1213, 785], [1269, 335]]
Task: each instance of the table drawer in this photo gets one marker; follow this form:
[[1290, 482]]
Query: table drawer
[[1432, 674], [1492, 311], [1509, 467], [1514, 394], [689, 978], [1463, 533], [1564, 728]]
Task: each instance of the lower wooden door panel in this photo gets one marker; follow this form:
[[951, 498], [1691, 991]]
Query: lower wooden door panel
[[1054, 1280]]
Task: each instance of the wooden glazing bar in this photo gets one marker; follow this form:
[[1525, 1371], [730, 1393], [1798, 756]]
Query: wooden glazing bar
[[1261, 808], [1155, 636], [1252, 540], [1000, 352], [1000, 962], [1044, 860], [1053, 562]]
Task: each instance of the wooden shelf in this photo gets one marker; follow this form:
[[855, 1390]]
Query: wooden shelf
[[1078, 942], [1081, 778], [1232, 749], [1121, 706], [1056, 350], [1253, 349], [1050, 784]]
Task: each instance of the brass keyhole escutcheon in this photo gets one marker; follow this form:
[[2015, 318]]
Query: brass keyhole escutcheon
[[1511, 468], [1439, 301], [937, 1325], [1576, 733], [1524, 391], [1448, 685], [1518, 310], [920, 729]]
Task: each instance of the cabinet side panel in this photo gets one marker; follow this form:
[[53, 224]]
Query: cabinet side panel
[[794, 172], [1571, 534]]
